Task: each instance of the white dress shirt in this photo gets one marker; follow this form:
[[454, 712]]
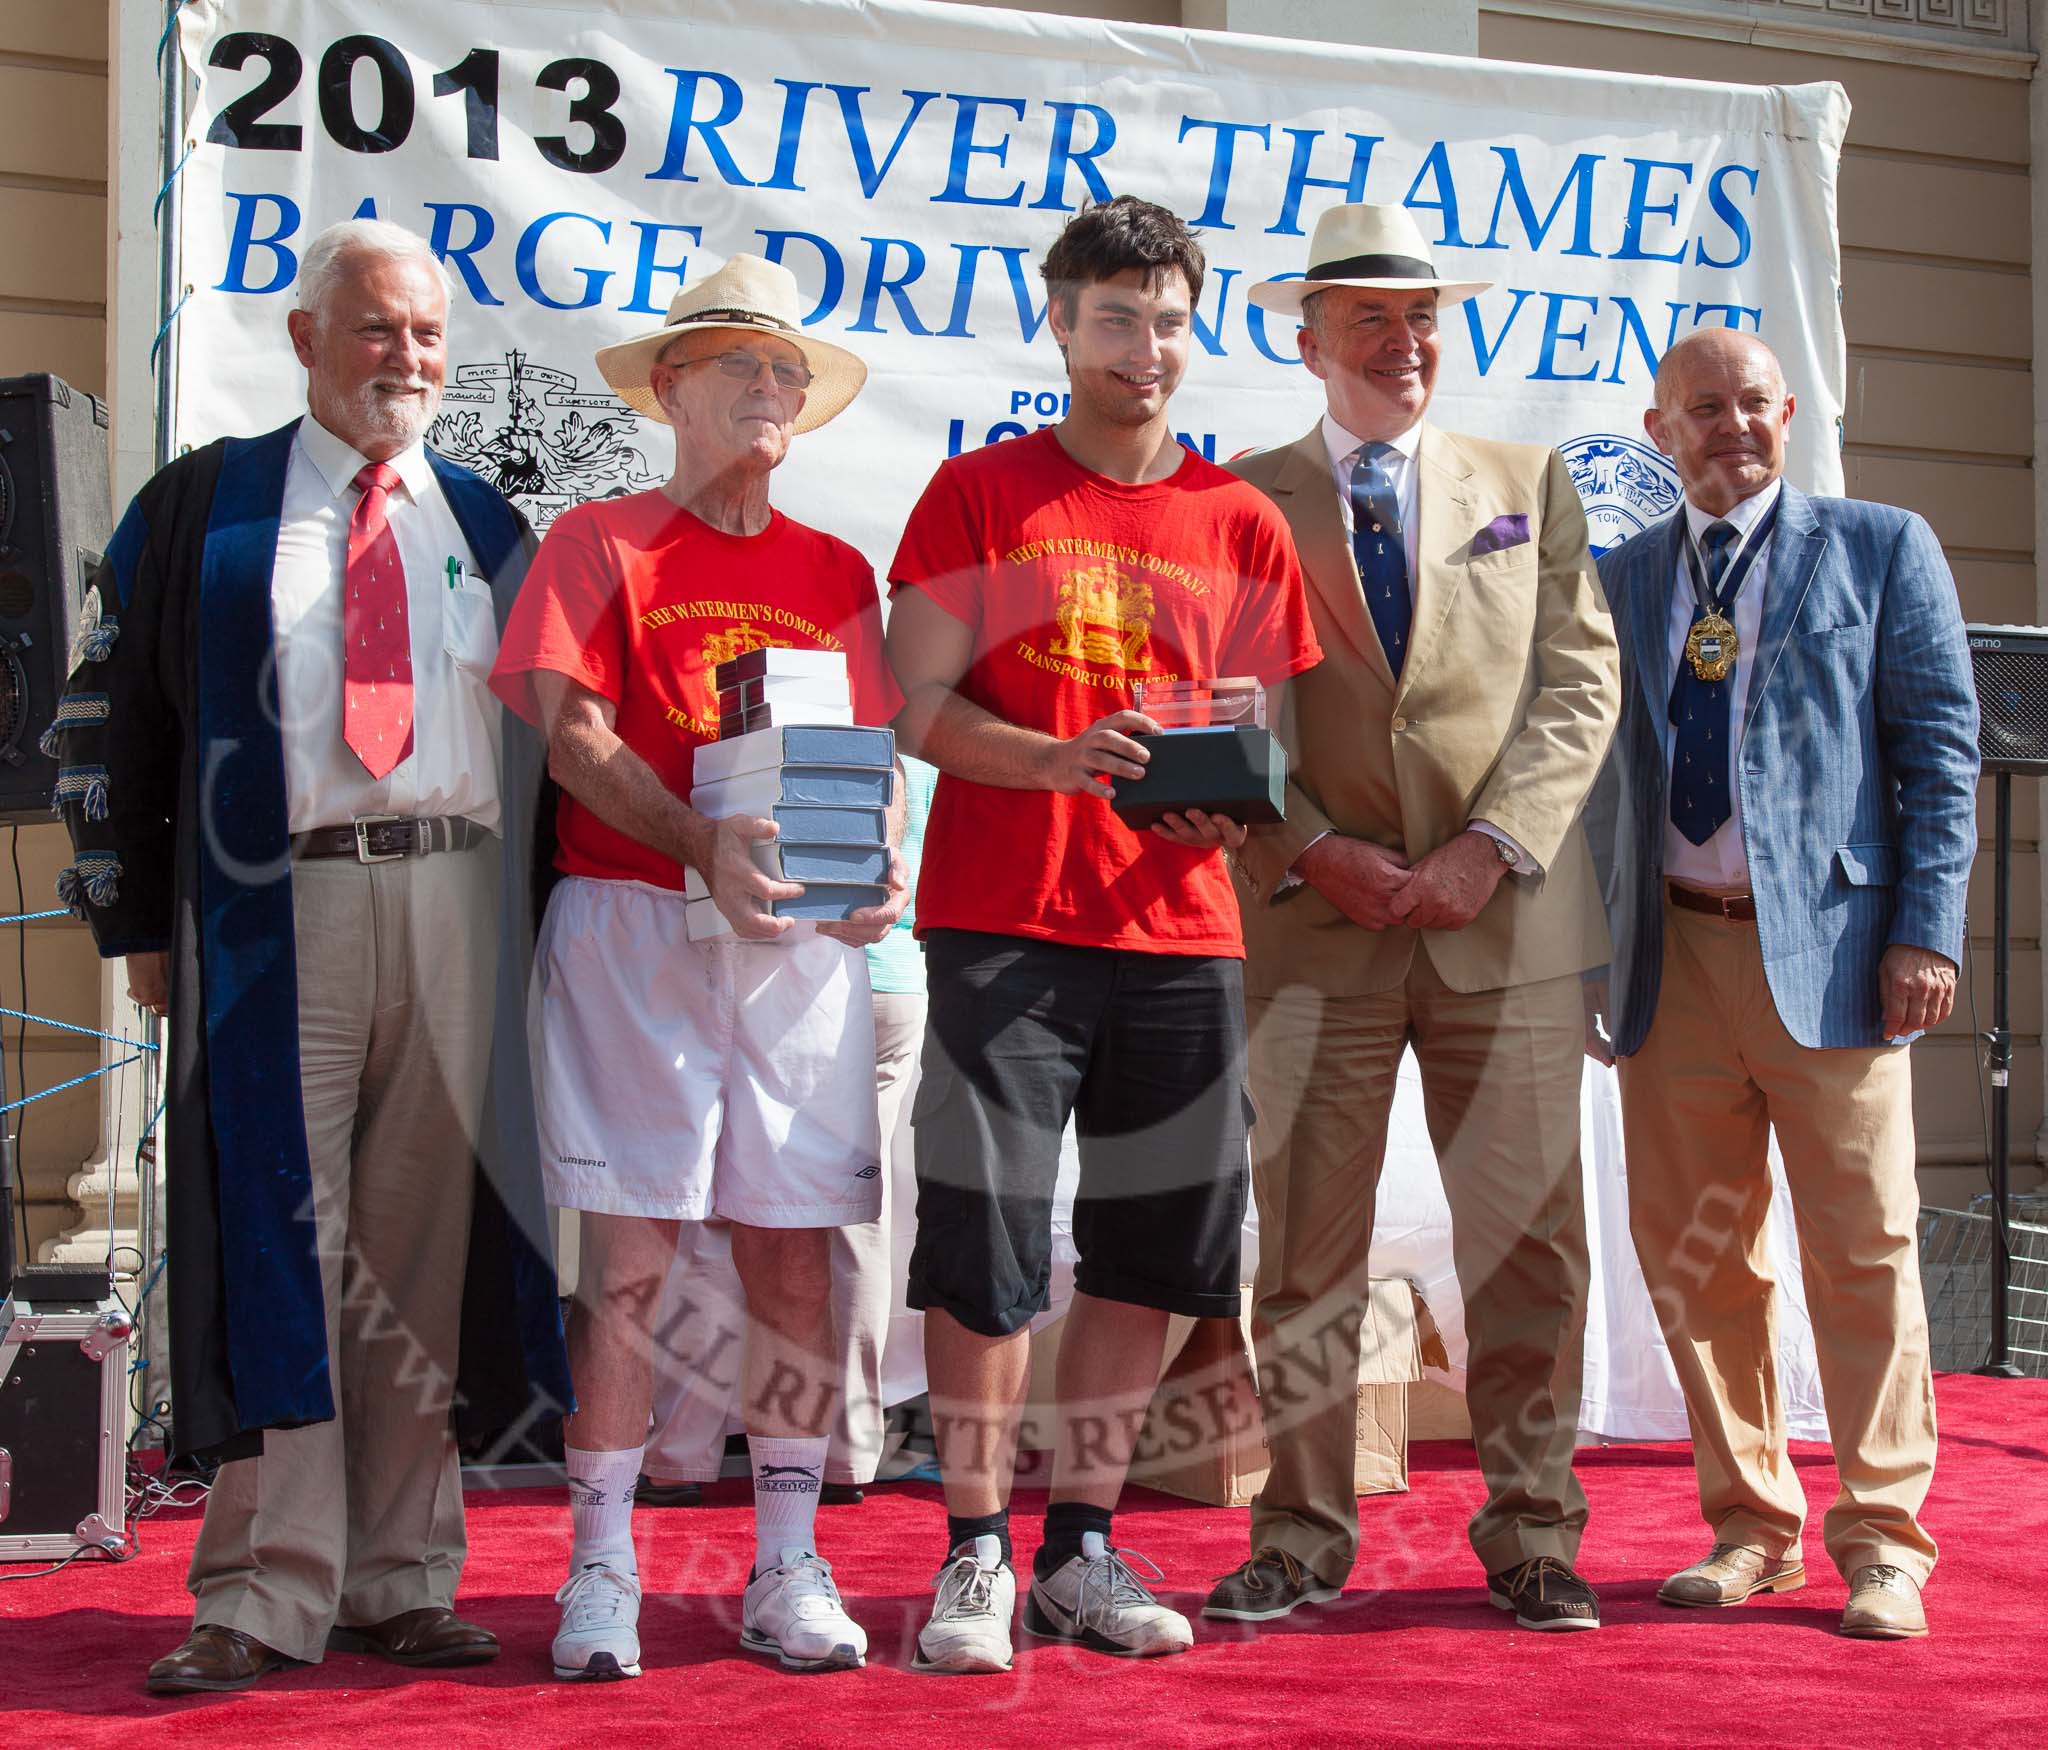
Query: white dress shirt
[[453, 766], [1720, 865], [1344, 447]]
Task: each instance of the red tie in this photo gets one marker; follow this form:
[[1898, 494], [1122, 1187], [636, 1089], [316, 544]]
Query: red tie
[[376, 669]]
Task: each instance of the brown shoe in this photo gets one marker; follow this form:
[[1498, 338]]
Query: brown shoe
[[430, 1636], [1730, 1573], [215, 1658], [1884, 1605]]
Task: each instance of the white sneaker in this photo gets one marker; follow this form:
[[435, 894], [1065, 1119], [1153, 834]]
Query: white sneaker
[[1095, 1599], [599, 1641], [970, 1625], [793, 1611]]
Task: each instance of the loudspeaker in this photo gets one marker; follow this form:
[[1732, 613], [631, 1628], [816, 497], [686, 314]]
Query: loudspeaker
[[56, 516], [2010, 666]]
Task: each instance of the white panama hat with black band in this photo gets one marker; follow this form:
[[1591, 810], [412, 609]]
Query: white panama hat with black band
[[748, 295], [1372, 248]]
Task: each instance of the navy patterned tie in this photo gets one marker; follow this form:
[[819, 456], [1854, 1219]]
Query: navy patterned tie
[[1376, 544], [1699, 713]]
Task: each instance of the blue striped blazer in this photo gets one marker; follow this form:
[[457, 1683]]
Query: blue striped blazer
[[1858, 763]]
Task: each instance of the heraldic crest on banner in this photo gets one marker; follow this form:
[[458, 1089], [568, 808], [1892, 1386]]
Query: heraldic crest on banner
[[1625, 485], [543, 471]]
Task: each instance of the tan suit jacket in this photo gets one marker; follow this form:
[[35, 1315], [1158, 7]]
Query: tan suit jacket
[[1502, 713]]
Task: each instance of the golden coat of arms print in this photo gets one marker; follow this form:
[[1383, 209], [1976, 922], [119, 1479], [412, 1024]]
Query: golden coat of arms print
[[1103, 617]]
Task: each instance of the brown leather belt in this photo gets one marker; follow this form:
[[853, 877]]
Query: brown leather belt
[[1738, 908], [384, 838]]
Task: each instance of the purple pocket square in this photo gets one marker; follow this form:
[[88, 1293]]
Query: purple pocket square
[[1511, 530]]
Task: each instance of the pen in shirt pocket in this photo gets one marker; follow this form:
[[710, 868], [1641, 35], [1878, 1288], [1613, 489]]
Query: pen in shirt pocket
[[454, 572]]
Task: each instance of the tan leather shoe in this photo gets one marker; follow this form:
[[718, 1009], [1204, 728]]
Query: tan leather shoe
[[1730, 1573], [1884, 1605], [432, 1636], [214, 1658]]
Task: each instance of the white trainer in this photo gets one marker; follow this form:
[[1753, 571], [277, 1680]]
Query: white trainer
[[970, 1625], [793, 1611], [1095, 1599], [599, 1640]]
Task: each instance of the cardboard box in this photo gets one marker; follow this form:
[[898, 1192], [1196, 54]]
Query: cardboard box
[[1205, 1436]]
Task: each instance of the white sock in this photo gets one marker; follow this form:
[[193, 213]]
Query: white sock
[[787, 1475], [601, 1508]]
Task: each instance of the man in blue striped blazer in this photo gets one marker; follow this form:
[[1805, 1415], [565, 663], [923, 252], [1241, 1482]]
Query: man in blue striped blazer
[[1793, 815]]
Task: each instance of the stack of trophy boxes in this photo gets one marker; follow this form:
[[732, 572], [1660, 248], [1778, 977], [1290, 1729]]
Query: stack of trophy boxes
[[789, 751]]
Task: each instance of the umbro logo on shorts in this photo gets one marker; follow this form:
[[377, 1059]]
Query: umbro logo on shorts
[[580, 1161], [869, 1172]]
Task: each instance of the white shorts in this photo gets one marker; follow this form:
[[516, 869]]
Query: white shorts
[[700, 1080]]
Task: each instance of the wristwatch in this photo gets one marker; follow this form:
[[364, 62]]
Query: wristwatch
[[1505, 851]]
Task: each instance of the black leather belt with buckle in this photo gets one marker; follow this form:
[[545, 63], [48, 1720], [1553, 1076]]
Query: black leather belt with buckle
[[384, 838], [1737, 908]]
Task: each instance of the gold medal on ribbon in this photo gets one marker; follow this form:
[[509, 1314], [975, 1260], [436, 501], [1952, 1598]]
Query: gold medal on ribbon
[[1711, 646]]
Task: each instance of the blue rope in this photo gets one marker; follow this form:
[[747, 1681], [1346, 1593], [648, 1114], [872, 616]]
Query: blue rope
[[73, 1027], [75, 1081], [157, 345], [162, 1258], [163, 43], [163, 194], [170, 30], [32, 917]]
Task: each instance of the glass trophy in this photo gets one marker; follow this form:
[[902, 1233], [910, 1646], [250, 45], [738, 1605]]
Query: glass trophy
[[1212, 752]]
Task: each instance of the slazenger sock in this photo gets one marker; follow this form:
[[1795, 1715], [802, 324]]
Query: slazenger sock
[[787, 1475], [601, 1508]]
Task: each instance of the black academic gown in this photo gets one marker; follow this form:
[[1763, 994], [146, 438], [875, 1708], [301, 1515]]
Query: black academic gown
[[172, 780]]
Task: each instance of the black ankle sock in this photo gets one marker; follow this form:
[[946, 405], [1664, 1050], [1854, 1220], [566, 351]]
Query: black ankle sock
[[1065, 1524], [995, 1525]]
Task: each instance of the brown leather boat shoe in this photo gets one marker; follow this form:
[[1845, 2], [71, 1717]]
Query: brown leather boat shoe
[[431, 1636], [215, 1658]]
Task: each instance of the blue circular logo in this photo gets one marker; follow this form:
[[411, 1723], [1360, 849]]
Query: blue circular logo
[[1625, 485]]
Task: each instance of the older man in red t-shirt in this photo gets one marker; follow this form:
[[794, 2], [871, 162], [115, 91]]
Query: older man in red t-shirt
[[679, 1080], [1076, 967]]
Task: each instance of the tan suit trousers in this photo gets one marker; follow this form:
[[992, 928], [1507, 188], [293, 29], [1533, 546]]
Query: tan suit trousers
[[1501, 1072], [355, 1520], [1716, 1074]]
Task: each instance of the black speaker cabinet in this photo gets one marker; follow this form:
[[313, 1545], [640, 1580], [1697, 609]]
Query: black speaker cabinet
[[55, 518], [2010, 665]]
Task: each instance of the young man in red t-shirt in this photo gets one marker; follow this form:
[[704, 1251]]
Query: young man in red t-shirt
[[1076, 967], [679, 1080]]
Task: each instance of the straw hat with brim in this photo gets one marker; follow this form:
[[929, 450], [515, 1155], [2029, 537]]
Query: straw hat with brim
[[1374, 248], [748, 295]]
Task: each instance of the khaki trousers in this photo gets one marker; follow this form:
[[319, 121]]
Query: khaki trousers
[[1717, 1073], [700, 1334], [355, 1520], [1501, 1073]]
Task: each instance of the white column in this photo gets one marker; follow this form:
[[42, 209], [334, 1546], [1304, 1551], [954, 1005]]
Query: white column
[[1438, 27]]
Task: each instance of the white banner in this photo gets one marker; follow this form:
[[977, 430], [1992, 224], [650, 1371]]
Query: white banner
[[911, 162]]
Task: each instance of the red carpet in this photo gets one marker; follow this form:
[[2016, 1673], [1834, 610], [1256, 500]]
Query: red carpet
[[1413, 1655]]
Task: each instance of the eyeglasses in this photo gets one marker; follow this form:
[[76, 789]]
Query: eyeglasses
[[744, 367]]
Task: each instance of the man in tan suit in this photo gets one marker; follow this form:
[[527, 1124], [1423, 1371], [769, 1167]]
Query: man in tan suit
[[1430, 887]]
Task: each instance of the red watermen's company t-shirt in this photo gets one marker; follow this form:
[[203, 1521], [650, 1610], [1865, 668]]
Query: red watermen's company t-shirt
[[640, 601], [1076, 587]]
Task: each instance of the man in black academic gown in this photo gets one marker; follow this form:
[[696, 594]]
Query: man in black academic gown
[[305, 822]]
